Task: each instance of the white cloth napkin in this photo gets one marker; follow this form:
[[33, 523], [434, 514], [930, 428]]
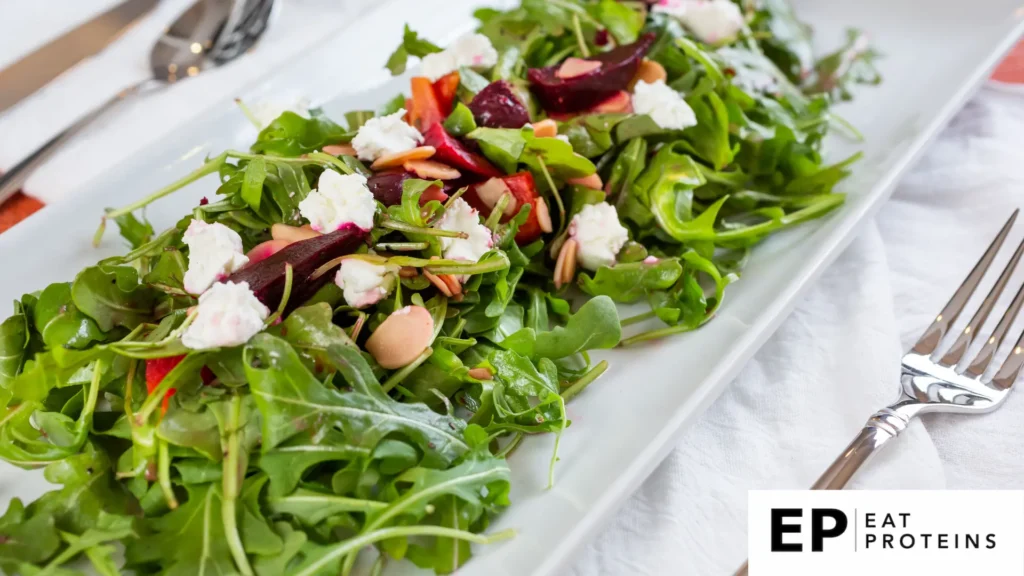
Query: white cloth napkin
[[132, 126], [836, 360]]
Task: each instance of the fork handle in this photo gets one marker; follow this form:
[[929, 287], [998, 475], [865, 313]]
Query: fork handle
[[882, 427]]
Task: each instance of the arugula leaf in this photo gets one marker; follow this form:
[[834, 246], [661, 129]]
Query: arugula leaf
[[113, 296], [136, 232], [311, 331], [623, 22], [286, 464], [26, 538], [630, 282], [503, 146], [14, 341], [292, 135], [252, 182], [460, 122], [60, 322], [412, 45], [292, 400]]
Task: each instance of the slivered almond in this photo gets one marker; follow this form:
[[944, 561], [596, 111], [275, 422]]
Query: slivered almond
[[454, 286], [543, 215], [399, 158], [408, 272], [565, 266], [480, 373], [339, 150], [491, 191], [573, 67], [430, 170], [438, 283], [546, 128], [649, 71], [592, 181], [401, 337], [292, 233]]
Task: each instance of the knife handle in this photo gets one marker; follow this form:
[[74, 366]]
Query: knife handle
[[12, 180]]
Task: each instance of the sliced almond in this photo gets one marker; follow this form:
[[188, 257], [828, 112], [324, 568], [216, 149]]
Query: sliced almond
[[454, 286], [546, 128], [402, 337], [430, 170], [569, 269], [543, 215], [491, 191], [408, 272], [399, 158], [265, 250], [292, 233], [438, 283], [593, 181], [565, 266], [339, 150], [649, 71], [480, 373], [573, 67]]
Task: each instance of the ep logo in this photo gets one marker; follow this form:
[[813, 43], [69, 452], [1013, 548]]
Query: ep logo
[[820, 524]]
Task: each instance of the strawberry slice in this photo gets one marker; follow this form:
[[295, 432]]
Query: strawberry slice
[[451, 152], [524, 190], [426, 110], [158, 368], [445, 89]]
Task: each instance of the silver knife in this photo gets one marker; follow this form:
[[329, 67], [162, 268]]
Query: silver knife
[[34, 71]]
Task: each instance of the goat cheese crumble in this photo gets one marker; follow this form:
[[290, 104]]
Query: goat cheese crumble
[[471, 50], [664, 105], [461, 217], [339, 199], [599, 233], [364, 283], [711, 21], [214, 252], [228, 314], [385, 135]]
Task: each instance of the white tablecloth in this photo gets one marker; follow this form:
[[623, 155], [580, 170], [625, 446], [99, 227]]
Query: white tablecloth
[[795, 406]]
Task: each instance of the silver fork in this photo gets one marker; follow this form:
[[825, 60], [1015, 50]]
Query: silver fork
[[948, 384]]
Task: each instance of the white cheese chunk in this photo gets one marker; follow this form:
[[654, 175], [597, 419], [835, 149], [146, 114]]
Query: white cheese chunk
[[664, 105], [461, 217], [228, 314], [339, 200], [711, 21], [385, 135], [364, 283], [599, 233], [214, 252], [471, 50]]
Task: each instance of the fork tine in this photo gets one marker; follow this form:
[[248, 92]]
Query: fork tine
[[963, 341], [933, 335], [1010, 369], [988, 351]]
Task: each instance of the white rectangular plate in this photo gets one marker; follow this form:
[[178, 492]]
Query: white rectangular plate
[[936, 54]]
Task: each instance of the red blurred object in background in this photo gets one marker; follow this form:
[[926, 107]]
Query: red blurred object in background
[[1011, 69]]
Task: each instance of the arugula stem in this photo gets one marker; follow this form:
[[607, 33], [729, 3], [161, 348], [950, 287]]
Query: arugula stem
[[655, 334], [355, 543], [498, 262], [358, 326], [558, 440], [248, 114], [494, 218], [825, 204], [284, 295], [458, 194], [163, 461], [584, 381], [554, 192], [402, 374], [336, 502], [232, 486], [580, 40], [409, 228], [157, 395], [378, 565], [332, 160], [511, 446], [637, 318], [402, 246], [209, 167]]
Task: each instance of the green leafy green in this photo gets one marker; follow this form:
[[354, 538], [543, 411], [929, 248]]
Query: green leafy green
[[412, 45]]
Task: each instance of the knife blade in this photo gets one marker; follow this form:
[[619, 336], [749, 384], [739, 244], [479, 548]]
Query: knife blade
[[34, 71]]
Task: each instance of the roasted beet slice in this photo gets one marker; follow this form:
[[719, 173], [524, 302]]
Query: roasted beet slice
[[267, 278], [451, 152], [387, 186], [618, 66], [497, 106]]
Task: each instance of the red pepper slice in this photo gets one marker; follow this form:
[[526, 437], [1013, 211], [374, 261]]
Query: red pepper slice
[[158, 368], [445, 89], [524, 190]]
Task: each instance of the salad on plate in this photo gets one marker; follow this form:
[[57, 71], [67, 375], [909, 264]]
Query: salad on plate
[[339, 347]]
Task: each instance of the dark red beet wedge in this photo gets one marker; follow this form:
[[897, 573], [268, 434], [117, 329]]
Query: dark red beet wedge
[[496, 106], [387, 186], [618, 66], [267, 278], [451, 152]]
